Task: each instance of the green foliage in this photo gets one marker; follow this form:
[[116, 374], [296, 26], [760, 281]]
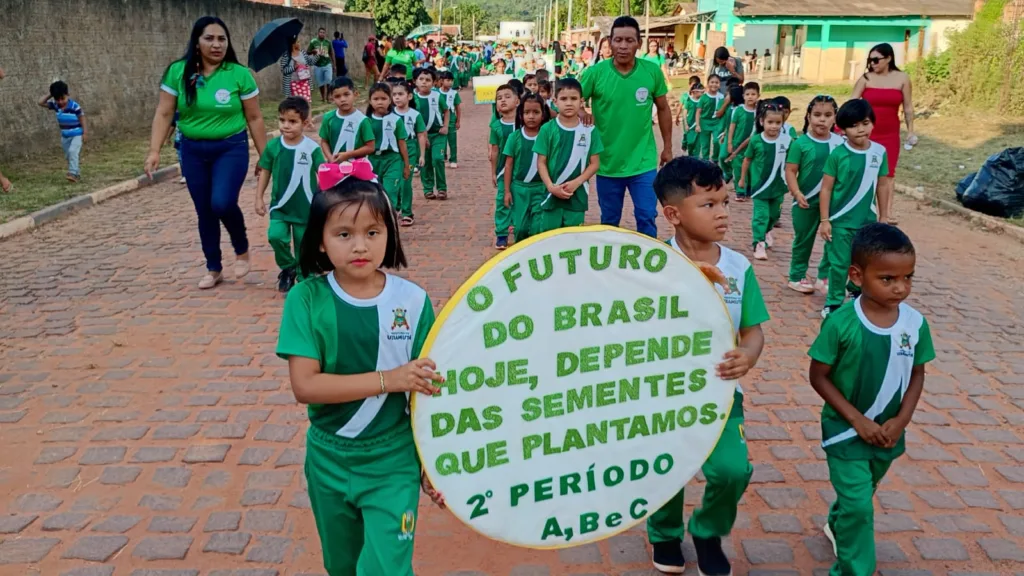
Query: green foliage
[[981, 68], [392, 17]]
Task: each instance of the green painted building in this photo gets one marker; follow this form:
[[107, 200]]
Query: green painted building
[[828, 40]]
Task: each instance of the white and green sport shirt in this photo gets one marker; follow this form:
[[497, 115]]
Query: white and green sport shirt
[[349, 335], [744, 300], [871, 367]]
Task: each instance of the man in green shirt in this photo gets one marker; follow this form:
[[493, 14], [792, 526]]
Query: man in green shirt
[[324, 69], [622, 91]]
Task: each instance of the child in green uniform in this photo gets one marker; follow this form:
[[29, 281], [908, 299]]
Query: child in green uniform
[[390, 160], [506, 101], [454, 103], [345, 134], [725, 157], [434, 110], [694, 200], [688, 118], [867, 364], [292, 159], [850, 197], [787, 109], [805, 167], [544, 89], [522, 184], [764, 170], [415, 145], [530, 83], [355, 368], [742, 127], [709, 123], [568, 156]]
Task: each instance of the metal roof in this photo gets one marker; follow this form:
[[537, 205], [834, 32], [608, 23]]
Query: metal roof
[[862, 8]]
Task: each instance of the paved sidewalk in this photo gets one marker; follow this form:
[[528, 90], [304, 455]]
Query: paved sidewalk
[[148, 428]]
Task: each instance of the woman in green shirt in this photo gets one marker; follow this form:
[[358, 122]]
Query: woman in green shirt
[[216, 98], [399, 54]]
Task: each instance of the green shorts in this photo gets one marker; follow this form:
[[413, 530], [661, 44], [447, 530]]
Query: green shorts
[[554, 218], [364, 495]]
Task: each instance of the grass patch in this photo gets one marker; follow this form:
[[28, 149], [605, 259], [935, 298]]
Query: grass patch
[[41, 183]]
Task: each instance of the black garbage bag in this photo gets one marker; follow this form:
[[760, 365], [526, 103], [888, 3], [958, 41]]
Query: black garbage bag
[[998, 188]]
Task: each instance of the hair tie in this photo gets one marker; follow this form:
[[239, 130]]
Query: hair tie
[[330, 175]]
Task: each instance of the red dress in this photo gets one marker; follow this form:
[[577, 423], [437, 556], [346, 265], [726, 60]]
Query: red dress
[[886, 103]]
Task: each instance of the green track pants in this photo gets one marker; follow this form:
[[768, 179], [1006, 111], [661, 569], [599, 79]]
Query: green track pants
[[852, 515]]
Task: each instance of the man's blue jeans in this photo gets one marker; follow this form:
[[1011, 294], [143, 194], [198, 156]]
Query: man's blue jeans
[[215, 171], [611, 192]]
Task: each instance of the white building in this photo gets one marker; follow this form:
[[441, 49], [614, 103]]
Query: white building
[[515, 30]]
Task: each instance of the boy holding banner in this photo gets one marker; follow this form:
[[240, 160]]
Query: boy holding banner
[[694, 200]]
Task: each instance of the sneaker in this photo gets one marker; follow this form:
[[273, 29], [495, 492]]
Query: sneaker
[[828, 310], [71, 177], [284, 281], [242, 266], [831, 538], [181, 180], [453, 165], [501, 243], [668, 557], [821, 285], [759, 252], [210, 280], [804, 286], [711, 560], [769, 240]]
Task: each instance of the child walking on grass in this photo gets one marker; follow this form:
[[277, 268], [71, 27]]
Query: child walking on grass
[[805, 169], [346, 133], [764, 171], [363, 474], [868, 365], [694, 200], [292, 161], [71, 120], [568, 156], [523, 186]]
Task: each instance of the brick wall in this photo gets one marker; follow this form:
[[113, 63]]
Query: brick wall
[[112, 53]]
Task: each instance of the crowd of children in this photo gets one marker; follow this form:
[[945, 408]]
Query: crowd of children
[[337, 207]]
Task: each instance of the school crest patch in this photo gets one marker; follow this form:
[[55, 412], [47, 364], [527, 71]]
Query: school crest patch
[[303, 159], [906, 348], [641, 95], [400, 320], [734, 287], [408, 525]]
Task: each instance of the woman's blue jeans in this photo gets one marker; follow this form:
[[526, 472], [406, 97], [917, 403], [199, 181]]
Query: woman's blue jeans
[[215, 171]]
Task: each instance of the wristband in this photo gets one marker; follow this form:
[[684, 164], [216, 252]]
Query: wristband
[[383, 388]]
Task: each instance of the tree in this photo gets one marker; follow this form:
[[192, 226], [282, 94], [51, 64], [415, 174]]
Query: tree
[[392, 17]]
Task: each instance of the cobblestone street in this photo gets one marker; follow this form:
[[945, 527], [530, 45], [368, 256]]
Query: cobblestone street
[[149, 429]]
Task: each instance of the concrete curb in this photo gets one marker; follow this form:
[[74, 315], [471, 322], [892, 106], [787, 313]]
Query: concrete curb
[[57, 211], [988, 222]]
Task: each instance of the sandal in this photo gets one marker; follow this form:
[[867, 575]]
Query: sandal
[[210, 280], [406, 221], [442, 195], [430, 196]]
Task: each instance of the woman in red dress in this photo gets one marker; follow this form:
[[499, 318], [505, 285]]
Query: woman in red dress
[[887, 88]]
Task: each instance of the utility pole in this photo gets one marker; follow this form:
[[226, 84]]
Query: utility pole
[[590, 15], [568, 23], [556, 21], [647, 24], [440, 19]]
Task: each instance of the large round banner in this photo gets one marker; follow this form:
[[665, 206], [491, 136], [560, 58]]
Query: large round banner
[[580, 390]]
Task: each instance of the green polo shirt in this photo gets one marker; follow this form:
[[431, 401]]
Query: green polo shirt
[[217, 112], [622, 105], [324, 46]]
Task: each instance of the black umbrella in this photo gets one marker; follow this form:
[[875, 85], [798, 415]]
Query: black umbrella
[[272, 42]]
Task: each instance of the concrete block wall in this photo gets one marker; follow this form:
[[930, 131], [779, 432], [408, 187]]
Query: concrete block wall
[[112, 54]]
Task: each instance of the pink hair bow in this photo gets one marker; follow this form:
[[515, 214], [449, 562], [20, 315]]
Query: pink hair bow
[[330, 175]]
